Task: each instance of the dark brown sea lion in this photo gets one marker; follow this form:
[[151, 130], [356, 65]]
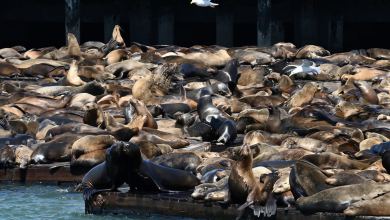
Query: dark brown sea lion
[[124, 163], [306, 179], [223, 129], [338, 199], [386, 161]]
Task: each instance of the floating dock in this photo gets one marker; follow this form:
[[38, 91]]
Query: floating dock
[[42, 173], [182, 205]]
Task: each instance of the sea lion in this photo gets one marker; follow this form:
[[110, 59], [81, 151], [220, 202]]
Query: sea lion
[[244, 187], [224, 129], [338, 199], [204, 189], [345, 178], [23, 155], [309, 144], [330, 160], [310, 52], [187, 161], [386, 161], [124, 163], [378, 206], [89, 151], [56, 150], [7, 157], [306, 179], [303, 96]]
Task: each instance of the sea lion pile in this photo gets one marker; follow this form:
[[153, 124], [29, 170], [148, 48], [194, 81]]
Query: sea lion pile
[[260, 127]]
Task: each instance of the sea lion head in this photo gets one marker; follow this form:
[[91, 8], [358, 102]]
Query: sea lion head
[[124, 154], [244, 153], [219, 88]]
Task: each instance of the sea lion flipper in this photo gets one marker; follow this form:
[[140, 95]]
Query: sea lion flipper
[[270, 206]]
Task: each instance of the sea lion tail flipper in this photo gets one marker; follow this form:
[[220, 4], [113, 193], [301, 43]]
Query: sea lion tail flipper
[[245, 205], [270, 206]]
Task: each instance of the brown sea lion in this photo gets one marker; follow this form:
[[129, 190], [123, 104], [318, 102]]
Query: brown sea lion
[[310, 52], [56, 150], [338, 199], [303, 96], [378, 206], [243, 186], [330, 160]]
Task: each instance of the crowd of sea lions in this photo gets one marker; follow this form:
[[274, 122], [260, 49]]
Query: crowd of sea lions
[[261, 127]]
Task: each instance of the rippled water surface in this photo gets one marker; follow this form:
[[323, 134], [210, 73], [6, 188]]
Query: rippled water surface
[[49, 202]]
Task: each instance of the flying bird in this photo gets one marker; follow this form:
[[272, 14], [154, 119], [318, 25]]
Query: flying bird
[[204, 3]]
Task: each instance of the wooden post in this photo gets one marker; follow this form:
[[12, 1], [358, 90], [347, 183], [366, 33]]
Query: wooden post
[[109, 22], [336, 33], [72, 18], [166, 24], [264, 23], [224, 28], [140, 21], [306, 23]]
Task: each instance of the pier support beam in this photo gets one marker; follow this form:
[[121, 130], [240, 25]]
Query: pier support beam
[[306, 23], [166, 24], [141, 21], [72, 18], [264, 23], [224, 28], [335, 33]]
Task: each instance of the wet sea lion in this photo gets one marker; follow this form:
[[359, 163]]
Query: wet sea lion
[[338, 199], [124, 163]]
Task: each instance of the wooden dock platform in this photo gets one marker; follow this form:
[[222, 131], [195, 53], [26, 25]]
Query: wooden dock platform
[[182, 205], [42, 173]]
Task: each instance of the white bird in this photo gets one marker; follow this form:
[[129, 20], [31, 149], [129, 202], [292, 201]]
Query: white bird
[[204, 3], [307, 67]]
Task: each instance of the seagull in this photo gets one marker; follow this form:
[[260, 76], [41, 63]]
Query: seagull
[[307, 67], [204, 3]]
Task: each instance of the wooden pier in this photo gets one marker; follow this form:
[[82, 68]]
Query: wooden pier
[[43, 173], [182, 205]]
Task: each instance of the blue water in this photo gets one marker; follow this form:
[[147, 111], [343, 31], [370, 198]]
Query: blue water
[[38, 202]]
